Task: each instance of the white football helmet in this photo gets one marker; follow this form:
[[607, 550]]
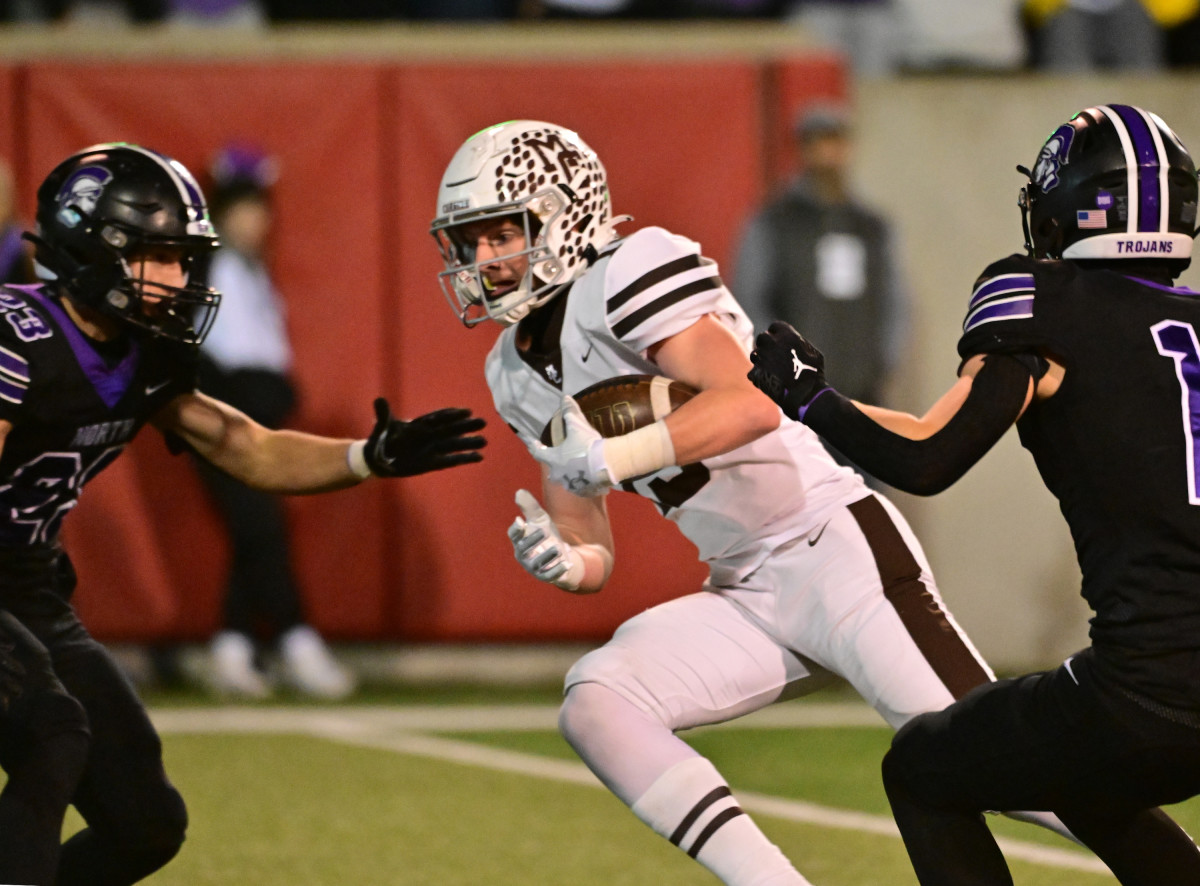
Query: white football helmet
[[555, 183]]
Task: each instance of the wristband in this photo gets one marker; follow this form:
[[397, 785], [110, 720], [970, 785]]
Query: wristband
[[356, 459], [639, 452], [576, 567]]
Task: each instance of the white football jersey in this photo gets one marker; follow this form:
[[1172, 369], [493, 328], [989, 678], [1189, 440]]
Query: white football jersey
[[735, 508]]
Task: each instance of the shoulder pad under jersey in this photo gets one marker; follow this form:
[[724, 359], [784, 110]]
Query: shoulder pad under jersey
[[1000, 314]]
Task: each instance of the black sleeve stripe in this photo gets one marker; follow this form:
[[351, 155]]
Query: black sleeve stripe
[[642, 314], [651, 278]]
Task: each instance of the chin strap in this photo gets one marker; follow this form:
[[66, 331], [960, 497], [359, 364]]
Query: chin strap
[[1023, 202]]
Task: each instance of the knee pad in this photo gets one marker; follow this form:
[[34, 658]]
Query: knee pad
[[158, 836], [617, 668]]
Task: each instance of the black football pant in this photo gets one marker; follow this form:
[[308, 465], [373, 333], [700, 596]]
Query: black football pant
[[135, 818], [1064, 741]]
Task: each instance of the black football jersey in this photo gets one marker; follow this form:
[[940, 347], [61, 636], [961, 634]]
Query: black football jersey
[[73, 403], [1117, 444]]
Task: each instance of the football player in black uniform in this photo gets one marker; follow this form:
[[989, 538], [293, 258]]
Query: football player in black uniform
[[106, 345], [1089, 347]]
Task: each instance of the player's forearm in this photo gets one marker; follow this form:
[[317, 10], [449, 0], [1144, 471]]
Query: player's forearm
[[585, 526], [929, 465], [296, 463], [720, 420], [914, 428]]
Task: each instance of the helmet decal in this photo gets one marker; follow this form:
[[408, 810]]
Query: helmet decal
[[536, 158], [80, 193], [1052, 157]]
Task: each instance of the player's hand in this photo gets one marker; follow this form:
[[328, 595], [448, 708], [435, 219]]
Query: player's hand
[[788, 368], [25, 665], [540, 548], [398, 448], [577, 463]]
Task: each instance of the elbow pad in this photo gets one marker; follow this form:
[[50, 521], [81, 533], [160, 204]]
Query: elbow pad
[[926, 467]]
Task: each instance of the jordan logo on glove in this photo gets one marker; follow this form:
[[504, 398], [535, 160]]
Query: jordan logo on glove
[[798, 366]]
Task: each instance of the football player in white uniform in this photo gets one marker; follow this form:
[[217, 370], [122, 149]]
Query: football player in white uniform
[[811, 573]]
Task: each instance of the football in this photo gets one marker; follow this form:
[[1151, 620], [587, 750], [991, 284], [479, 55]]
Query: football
[[619, 405]]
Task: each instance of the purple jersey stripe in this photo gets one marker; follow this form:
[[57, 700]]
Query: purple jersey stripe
[[12, 392], [1175, 290], [1005, 284], [1004, 310], [14, 365], [1149, 193], [110, 382]]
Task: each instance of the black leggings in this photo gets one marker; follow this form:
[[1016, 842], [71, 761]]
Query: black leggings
[[135, 818], [1065, 741]]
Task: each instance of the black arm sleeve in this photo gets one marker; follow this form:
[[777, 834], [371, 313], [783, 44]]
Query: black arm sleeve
[[926, 467]]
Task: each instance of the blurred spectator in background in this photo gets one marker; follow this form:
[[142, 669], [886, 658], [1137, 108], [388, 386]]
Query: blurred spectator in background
[[442, 10], [216, 13], [16, 264], [867, 32], [658, 9], [1071, 36], [820, 259], [1181, 18], [246, 361]]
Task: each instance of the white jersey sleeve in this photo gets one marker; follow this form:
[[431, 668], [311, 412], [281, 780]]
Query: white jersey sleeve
[[737, 507], [658, 284]]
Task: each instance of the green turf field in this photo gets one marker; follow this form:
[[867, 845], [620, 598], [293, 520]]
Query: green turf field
[[490, 794]]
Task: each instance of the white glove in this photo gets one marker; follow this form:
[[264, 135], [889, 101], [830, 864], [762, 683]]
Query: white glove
[[578, 463], [540, 549]]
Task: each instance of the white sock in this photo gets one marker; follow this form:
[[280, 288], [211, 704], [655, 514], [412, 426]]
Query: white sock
[[692, 806], [1047, 820]]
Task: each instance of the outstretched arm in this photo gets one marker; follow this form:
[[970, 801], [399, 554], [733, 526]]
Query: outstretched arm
[[919, 455], [289, 461]]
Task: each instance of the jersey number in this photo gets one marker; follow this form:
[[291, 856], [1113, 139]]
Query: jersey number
[[1178, 341], [43, 490], [670, 492]]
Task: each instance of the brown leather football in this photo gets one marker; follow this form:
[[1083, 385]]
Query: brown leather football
[[619, 405]]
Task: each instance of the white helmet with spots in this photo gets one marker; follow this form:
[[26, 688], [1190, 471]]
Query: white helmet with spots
[[549, 181]]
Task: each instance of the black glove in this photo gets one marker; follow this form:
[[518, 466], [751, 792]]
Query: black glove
[[788, 369], [398, 448], [25, 666]]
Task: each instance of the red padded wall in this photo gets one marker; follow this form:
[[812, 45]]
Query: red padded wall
[[9, 115], [322, 121]]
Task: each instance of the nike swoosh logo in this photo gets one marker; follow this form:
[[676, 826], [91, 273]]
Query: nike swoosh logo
[[153, 389], [816, 538], [584, 358]]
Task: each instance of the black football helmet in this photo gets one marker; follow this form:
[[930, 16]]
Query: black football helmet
[[1113, 182], [110, 201]]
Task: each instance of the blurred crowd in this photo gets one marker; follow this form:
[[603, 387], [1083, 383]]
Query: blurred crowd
[[879, 36]]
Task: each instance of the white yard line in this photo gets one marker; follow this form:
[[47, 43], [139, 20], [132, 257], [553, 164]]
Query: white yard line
[[472, 718], [397, 729]]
